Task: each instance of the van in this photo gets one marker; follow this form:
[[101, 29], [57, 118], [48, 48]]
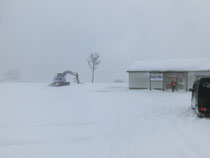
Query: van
[[200, 101]]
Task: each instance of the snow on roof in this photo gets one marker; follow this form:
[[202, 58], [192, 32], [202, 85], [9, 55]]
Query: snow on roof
[[171, 65]]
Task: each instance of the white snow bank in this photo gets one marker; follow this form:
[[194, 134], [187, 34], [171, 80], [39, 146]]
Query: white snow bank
[[200, 64]]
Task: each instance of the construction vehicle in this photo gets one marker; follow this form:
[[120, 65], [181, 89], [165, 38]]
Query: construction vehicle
[[60, 79]]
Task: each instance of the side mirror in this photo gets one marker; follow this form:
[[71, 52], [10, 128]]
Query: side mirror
[[191, 90]]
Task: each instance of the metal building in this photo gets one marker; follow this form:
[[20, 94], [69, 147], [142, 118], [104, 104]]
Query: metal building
[[159, 74]]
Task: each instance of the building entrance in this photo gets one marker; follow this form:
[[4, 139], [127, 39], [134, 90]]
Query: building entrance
[[179, 78]]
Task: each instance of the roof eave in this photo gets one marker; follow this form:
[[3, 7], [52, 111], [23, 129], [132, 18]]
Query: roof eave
[[130, 71]]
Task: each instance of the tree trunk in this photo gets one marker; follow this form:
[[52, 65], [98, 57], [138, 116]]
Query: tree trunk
[[93, 74]]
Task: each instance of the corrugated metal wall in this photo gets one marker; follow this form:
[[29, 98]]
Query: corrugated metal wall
[[139, 80]]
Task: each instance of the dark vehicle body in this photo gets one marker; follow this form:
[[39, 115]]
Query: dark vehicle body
[[201, 97]]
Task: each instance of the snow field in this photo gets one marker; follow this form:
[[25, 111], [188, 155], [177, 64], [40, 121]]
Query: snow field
[[98, 121]]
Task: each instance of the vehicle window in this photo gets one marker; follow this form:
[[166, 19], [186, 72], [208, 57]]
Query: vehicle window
[[205, 86]]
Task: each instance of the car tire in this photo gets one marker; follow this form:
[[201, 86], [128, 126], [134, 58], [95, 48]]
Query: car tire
[[199, 115]]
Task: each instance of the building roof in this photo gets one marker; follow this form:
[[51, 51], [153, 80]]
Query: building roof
[[198, 64]]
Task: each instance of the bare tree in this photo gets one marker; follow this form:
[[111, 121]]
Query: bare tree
[[93, 62], [12, 76]]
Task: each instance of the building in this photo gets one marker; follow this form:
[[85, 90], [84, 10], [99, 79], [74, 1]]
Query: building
[[159, 74]]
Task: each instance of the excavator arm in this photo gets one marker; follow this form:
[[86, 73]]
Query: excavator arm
[[72, 73]]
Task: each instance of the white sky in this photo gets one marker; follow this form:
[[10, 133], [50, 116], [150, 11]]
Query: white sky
[[43, 37]]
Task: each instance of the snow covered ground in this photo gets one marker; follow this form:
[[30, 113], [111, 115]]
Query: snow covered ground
[[98, 121]]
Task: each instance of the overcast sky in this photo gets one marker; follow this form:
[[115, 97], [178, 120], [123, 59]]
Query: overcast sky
[[42, 37]]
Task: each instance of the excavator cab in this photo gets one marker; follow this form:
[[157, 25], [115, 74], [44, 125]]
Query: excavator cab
[[59, 75]]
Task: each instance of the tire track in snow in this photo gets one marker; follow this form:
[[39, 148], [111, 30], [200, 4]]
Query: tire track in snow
[[183, 121], [156, 121], [142, 122], [121, 141], [162, 120]]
